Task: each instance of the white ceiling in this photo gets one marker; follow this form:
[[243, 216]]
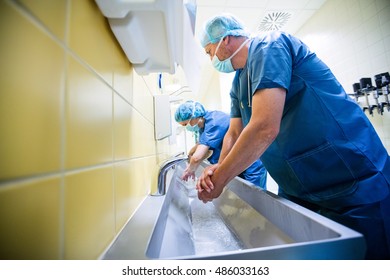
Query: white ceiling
[[253, 12]]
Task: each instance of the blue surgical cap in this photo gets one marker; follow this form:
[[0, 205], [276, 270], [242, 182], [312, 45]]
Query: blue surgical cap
[[219, 27], [189, 110]]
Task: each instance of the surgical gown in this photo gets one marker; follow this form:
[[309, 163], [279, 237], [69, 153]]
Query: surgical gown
[[327, 154], [215, 128]]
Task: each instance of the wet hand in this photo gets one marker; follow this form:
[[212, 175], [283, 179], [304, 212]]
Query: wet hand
[[209, 196], [204, 182], [188, 175], [205, 197]]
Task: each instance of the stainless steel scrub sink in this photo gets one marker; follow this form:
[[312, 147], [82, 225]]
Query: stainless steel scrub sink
[[245, 222]]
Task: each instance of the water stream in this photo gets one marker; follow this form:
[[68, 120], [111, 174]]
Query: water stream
[[211, 233]]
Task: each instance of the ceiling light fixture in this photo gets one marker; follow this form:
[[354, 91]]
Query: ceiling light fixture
[[274, 20]]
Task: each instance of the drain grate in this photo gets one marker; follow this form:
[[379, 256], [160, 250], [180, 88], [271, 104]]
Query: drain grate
[[274, 20]]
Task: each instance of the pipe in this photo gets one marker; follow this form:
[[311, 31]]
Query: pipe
[[162, 174]]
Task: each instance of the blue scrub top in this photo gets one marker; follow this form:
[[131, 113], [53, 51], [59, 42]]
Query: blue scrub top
[[327, 151], [215, 127]]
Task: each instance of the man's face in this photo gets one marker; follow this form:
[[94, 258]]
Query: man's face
[[218, 49]]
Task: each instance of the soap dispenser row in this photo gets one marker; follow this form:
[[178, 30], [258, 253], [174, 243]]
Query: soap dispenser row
[[375, 97]]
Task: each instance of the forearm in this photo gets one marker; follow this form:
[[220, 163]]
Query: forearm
[[260, 132], [248, 148], [228, 143], [245, 151], [193, 163], [235, 128], [197, 157]]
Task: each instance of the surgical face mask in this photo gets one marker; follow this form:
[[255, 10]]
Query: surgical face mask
[[226, 65], [193, 128]]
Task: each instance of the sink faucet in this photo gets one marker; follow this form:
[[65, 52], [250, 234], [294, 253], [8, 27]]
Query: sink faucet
[[162, 173]]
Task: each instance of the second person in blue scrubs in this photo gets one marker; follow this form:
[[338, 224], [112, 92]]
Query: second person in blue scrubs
[[210, 128]]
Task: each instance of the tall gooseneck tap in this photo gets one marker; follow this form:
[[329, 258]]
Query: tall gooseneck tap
[[162, 174]]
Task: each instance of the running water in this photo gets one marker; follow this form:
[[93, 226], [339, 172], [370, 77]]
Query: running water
[[209, 232]]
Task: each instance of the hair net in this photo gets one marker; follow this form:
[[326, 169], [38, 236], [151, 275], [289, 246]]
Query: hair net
[[189, 110], [221, 26]]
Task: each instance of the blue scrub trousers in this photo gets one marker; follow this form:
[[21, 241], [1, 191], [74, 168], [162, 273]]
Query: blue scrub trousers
[[371, 220]]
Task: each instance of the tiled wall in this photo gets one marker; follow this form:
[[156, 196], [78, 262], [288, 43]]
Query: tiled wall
[[77, 148], [353, 38]]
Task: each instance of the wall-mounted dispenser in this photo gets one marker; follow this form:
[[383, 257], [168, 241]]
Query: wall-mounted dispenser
[[162, 116], [379, 94], [156, 35]]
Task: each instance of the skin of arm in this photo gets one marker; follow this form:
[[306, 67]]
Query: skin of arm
[[197, 156], [192, 151], [231, 136], [261, 131]]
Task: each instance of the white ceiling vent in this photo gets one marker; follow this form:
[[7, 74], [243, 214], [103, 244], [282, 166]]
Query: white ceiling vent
[[274, 20]]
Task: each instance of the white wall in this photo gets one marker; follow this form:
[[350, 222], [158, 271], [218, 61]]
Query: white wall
[[353, 38]]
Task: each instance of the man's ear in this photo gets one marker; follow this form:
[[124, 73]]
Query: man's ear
[[226, 40]]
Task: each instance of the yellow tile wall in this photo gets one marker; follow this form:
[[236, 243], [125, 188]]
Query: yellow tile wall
[[89, 213], [30, 123], [29, 216], [77, 150]]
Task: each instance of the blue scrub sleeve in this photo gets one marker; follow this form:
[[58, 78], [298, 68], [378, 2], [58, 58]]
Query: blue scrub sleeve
[[212, 137], [270, 66], [216, 126]]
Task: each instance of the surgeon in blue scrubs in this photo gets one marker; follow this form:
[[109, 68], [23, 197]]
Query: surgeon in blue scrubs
[[289, 110], [210, 128]]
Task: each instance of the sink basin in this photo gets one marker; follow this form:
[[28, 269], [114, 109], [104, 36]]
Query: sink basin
[[245, 222]]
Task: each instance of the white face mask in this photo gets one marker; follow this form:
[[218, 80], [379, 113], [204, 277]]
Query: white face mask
[[225, 66]]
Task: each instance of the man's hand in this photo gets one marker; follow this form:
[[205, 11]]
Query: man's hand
[[208, 197], [204, 182]]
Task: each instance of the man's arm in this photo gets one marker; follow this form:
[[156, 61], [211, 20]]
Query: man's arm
[[261, 131], [231, 136]]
